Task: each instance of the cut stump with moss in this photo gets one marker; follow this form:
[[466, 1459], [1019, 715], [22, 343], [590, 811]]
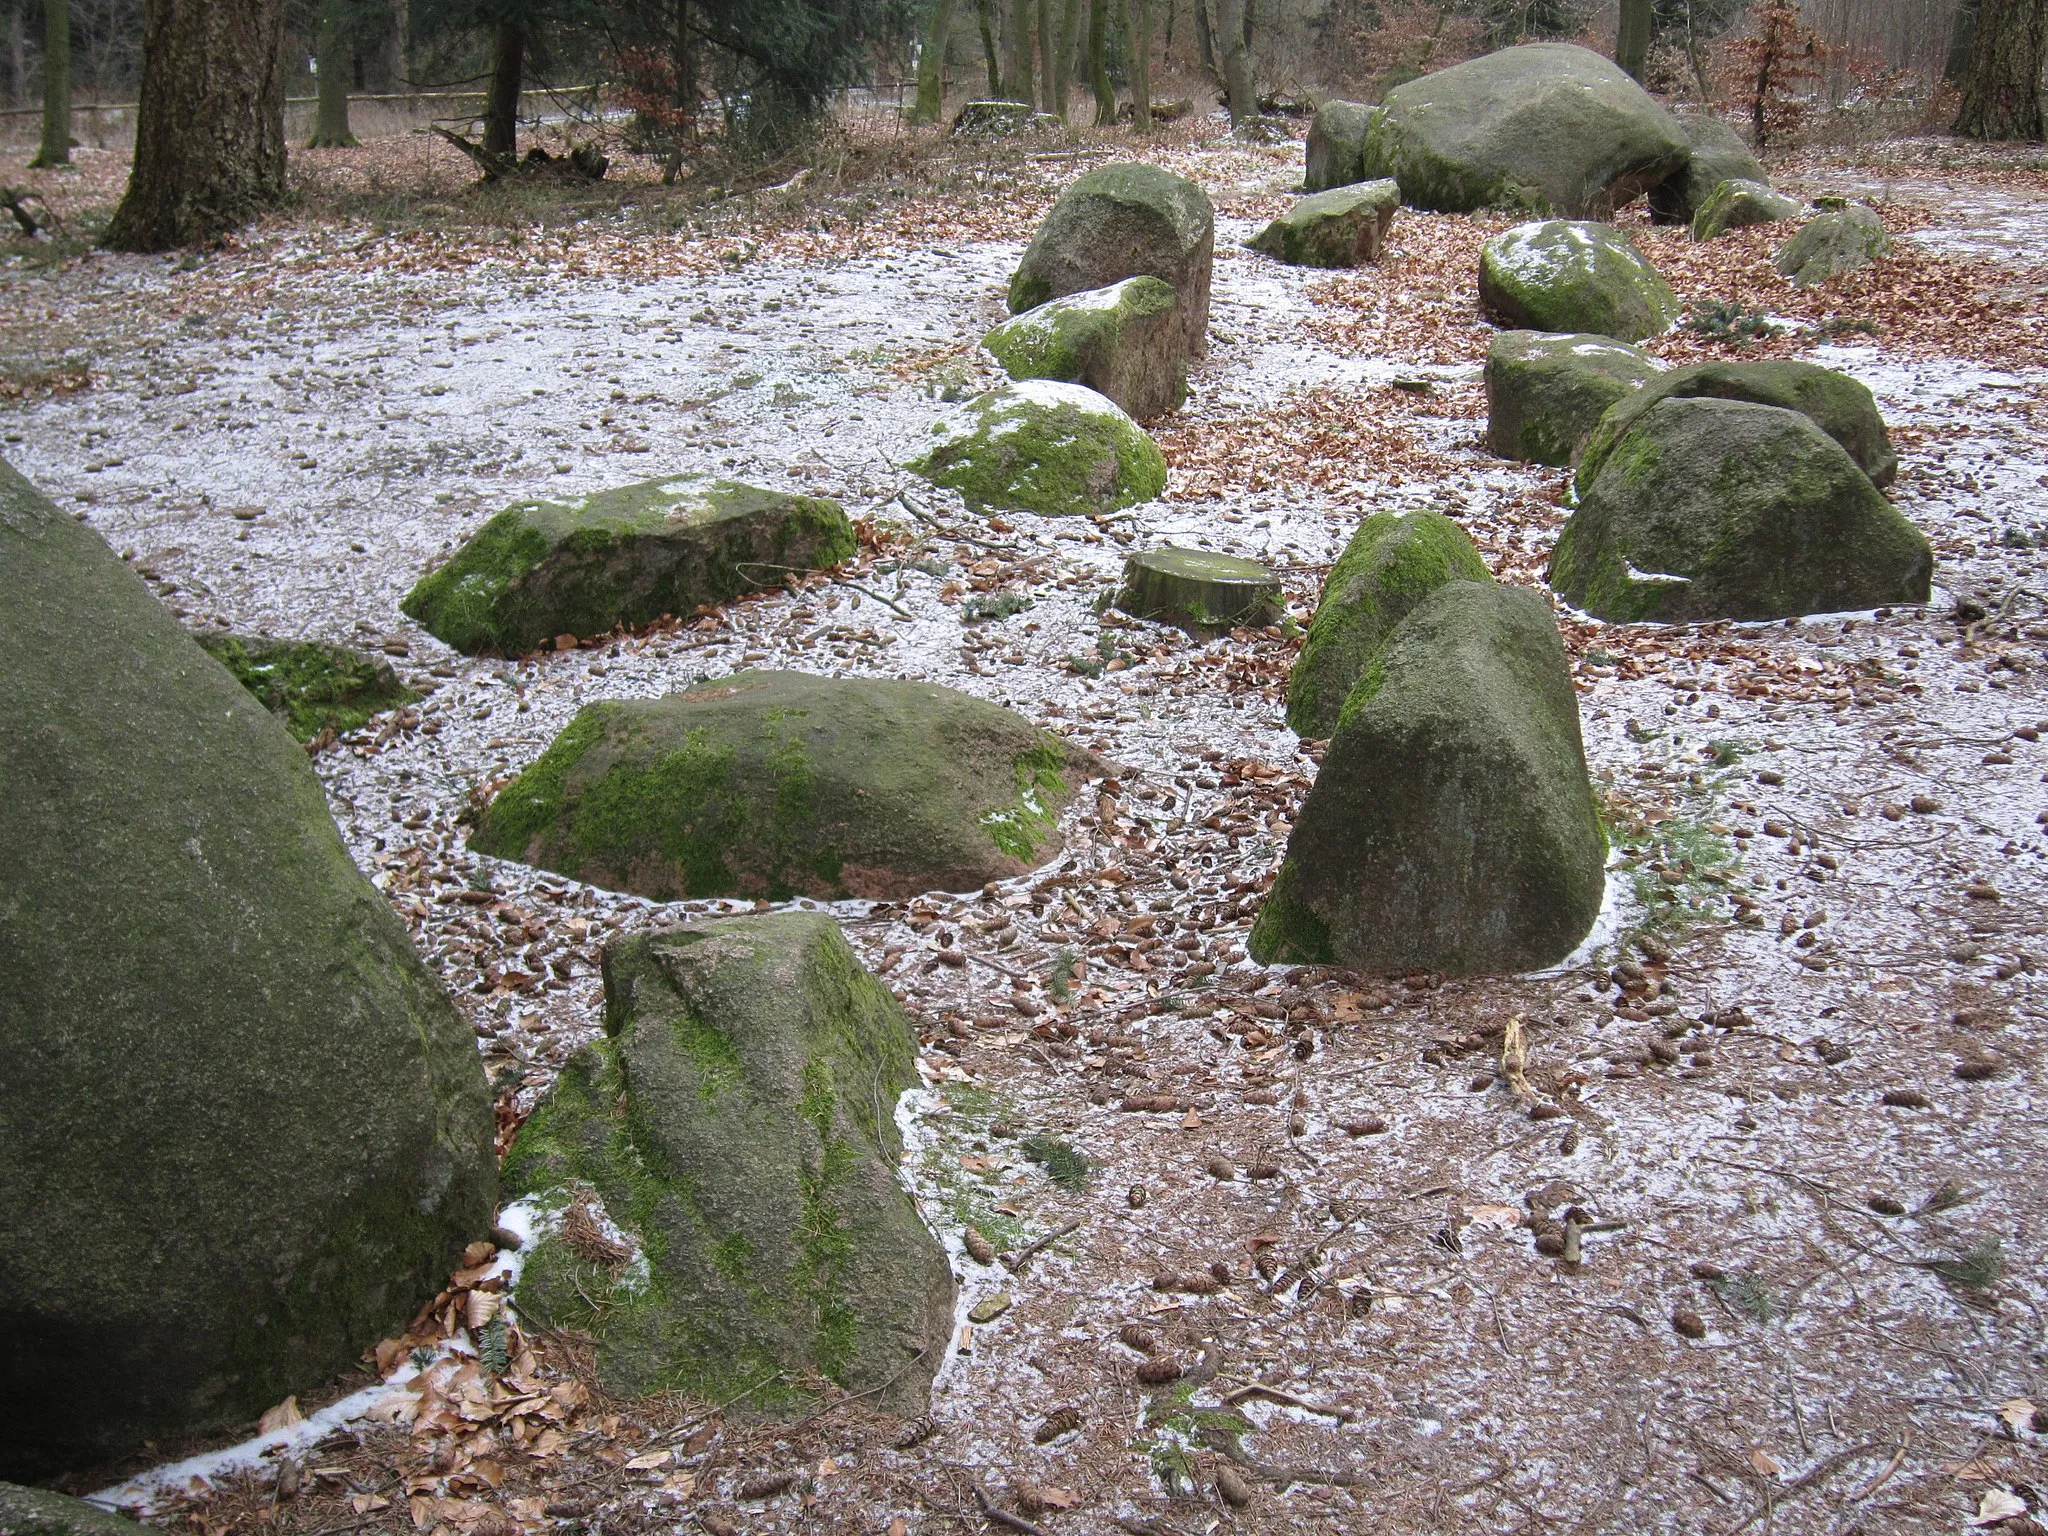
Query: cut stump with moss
[[1569, 275], [1452, 826], [308, 684], [541, 569], [1043, 446], [737, 1127], [1198, 590], [780, 784], [1546, 393], [1393, 562], [1344, 227], [1124, 342]]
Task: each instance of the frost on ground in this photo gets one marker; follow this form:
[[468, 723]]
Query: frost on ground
[[1736, 1219]]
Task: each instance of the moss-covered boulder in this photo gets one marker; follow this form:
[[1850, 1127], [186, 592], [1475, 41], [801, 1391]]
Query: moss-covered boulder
[[1831, 243], [1721, 509], [1198, 590], [1716, 154], [1043, 446], [1452, 826], [1547, 127], [1391, 565], [782, 784], [1336, 145], [1739, 204], [1344, 227], [1840, 406], [540, 569], [736, 1129], [1119, 221], [243, 1132], [1124, 342], [35, 1512], [1565, 275], [308, 684], [1545, 394]]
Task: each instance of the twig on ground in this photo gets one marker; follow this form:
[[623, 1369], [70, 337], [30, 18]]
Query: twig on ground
[[996, 1515], [1015, 1262]]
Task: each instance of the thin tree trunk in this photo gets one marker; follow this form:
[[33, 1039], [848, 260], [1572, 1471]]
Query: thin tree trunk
[[1048, 46], [17, 55], [1098, 61], [209, 134], [55, 149], [330, 111], [501, 103], [1140, 21], [2002, 87], [1239, 92], [1063, 58], [985, 10], [1632, 38], [1697, 58], [931, 65], [1017, 66], [1205, 40], [394, 46]]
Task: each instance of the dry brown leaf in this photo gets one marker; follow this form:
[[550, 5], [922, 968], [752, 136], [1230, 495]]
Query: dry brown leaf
[[283, 1416]]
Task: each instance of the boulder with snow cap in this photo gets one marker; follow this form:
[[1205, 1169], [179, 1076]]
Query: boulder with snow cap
[[1040, 445], [1566, 275], [1123, 341]]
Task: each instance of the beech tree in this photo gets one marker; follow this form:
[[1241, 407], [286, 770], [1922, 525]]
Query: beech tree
[[2002, 82], [55, 149], [1632, 38], [209, 132], [333, 57]]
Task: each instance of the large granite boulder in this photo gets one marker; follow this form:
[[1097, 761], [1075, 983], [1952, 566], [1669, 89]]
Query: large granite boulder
[[541, 569], [1722, 509], [310, 685], [1840, 406], [1546, 393], [1547, 127], [735, 1130], [1124, 342], [1717, 154], [243, 1132], [1737, 205], [1831, 243], [34, 1512], [782, 784], [1564, 275], [1452, 826], [1119, 221], [1344, 227], [1043, 446], [1393, 563], [1336, 145]]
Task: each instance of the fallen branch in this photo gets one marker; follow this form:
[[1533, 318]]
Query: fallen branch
[[1015, 1262]]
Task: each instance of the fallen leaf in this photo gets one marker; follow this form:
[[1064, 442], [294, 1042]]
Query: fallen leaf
[[283, 1416], [1503, 1216], [1997, 1505], [2017, 1412], [1765, 1463]]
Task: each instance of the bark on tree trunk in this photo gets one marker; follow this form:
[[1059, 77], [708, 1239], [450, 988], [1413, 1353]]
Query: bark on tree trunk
[[1238, 88], [2002, 86], [1048, 45], [985, 10], [1632, 37], [394, 46], [55, 148], [1205, 41], [330, 111], [1063, 58], [1141, 63], [209, 134], [17, 55], [1017, 69], [1098, 61], [931, 65], [501, 103]]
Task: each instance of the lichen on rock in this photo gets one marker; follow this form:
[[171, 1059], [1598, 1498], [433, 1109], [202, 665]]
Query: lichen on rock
[[310, 685], [1569, 275], [1737, 204], [1343, 227]]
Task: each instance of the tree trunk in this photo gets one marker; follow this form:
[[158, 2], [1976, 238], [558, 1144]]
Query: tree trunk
[[686, 95], [1239, 91], [209, 134], [17, 55], [1632, 38], [1205, 40], [984, 9], [931, 65], [330, 111], [394, 46], [1063, 59], [1098, 61], [2002, 86], [1140, 14], [1017, 68], [501, 104], [56, 146], [1048, 46]]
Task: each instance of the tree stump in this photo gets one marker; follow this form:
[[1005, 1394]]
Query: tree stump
[[1199, 591]]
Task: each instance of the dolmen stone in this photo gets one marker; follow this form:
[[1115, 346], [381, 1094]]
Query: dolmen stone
[[782, 784], [732, 1148], [38, 1512], [1833, 242], [1125, 220], [1840, 406], [1198, 590], [243, 1132], [1344, 227], [1043, 446], [540, 569], [1547, 127], [1716, 153], [1724, 509], [1546, 393], [1124, 342], [1452, 826], [310, 685], [1392, 564], [1336, 145], [1737, 205], [1567, 275]]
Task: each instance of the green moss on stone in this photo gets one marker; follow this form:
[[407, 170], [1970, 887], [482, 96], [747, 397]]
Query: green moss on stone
[[309, 685], [1567, 275], [1048, 447]]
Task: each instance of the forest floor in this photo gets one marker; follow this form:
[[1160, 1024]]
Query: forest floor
[[1811, 1129]]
